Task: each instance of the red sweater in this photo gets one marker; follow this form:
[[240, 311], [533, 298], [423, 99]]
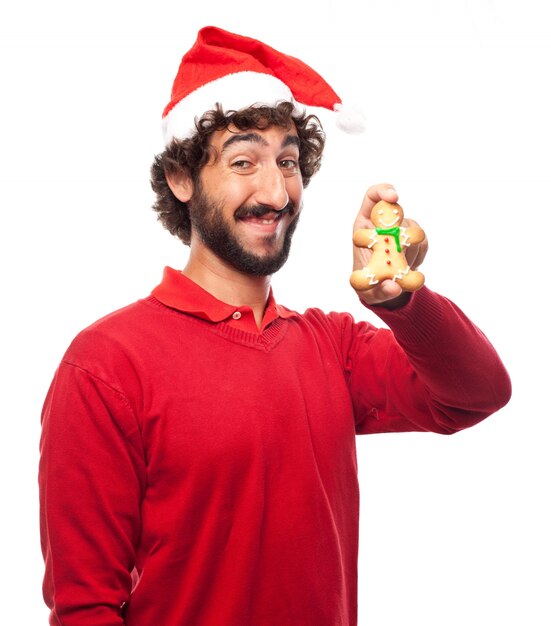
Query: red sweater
[[197, 472]]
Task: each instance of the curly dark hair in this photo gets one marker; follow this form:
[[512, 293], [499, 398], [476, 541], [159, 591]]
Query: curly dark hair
[[188, 156]]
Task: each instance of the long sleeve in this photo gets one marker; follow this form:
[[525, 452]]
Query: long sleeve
[[434, 370], [91, 480], [167, 490]]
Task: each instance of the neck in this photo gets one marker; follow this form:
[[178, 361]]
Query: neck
[[226, 283]]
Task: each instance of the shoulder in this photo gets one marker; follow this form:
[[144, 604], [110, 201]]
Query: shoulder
[[339, 326], [113, 337], [110, 324]]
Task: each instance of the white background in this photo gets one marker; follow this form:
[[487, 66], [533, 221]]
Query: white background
[[454, 530]]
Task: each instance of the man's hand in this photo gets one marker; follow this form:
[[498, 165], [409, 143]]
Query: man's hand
[[388, 293]]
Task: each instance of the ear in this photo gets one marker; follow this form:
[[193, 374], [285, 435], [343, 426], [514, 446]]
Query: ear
[[181, 186]]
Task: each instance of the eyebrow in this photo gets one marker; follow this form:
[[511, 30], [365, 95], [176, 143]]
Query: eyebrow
[[289, 140]]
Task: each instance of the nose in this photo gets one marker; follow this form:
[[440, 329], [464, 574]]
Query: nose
[[271, 189]]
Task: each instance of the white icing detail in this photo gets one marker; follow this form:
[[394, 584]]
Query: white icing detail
[[404, 237], [371, 276], [391, 224], [373, 238], [400, 274]]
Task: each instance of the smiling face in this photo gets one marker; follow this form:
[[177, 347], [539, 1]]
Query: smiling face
[[246, 205], [386, 215]]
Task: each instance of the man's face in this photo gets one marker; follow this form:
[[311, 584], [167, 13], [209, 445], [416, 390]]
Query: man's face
[[246, 205]]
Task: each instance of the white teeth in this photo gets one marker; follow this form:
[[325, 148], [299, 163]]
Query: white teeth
[[266, 220]]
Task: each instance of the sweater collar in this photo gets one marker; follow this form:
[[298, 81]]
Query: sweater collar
[[177, 291]]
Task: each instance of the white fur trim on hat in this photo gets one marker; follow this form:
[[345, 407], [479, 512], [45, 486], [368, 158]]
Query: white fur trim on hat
[[234, 92], [349, 119]]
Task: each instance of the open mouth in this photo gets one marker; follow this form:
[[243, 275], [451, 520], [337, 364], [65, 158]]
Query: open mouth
[[262, 216], [267, 219]]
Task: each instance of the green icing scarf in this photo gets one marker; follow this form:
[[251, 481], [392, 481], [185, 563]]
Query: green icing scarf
[[393, 232]]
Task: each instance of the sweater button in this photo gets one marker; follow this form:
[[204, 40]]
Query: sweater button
[[237, 315]]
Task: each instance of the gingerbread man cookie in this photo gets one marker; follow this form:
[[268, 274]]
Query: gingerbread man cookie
[[387, 242]]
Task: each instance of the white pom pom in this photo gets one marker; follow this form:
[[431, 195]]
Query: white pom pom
[[350, 120]]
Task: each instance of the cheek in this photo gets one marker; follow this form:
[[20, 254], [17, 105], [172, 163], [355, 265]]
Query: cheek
[[294, 191], [237, 191]]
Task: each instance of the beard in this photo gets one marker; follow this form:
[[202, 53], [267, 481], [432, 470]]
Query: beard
[[208, 221]]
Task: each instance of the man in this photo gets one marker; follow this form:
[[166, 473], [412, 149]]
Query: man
[[198, 457]]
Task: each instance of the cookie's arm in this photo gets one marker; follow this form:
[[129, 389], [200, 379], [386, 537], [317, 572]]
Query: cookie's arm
[[364, 237], [413, 235]]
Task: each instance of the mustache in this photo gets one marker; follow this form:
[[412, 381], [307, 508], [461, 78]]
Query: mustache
[[260, 210]]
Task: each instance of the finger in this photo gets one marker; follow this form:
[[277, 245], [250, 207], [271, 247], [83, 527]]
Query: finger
[[375, 193], [420, 252], [415, 253], [386, 290], [360, 257], [382, 191]]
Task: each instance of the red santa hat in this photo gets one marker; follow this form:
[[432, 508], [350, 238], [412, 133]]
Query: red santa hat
[[239, 72]]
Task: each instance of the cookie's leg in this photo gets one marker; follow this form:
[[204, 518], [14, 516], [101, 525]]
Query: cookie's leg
[[411, 281], [363, 280]]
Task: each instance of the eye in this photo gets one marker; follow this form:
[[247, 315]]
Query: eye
[[395, 211], [289, 165], [380, 212], [241, 164]]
